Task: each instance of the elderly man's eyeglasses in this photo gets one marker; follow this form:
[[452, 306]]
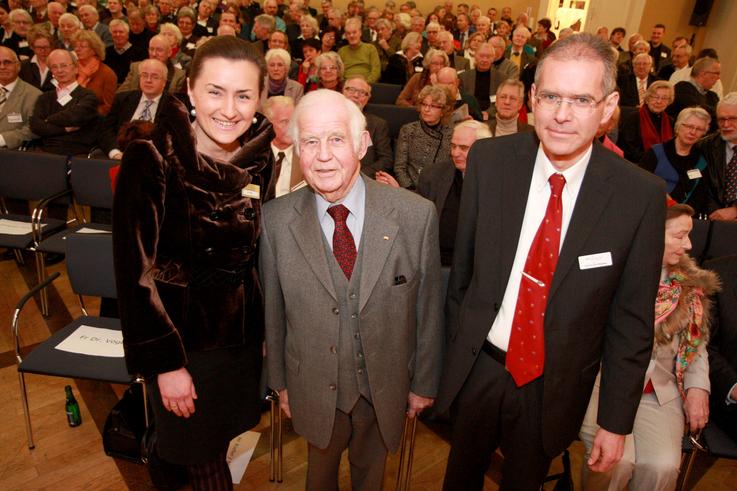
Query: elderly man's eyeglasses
[[549, 101], [356, 91], [727, 120], [60, 66], [7, 62]]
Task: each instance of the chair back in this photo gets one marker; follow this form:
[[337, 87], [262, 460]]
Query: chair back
[[32, 176], [90, 180], [395, 116], [385, 93], [90, 264]]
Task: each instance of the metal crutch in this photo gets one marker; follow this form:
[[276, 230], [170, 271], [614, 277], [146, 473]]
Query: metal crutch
[[404, 473]]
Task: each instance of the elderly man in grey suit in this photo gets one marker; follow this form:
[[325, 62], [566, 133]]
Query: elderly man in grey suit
[[491, 70], [17, 99], [351, 277]]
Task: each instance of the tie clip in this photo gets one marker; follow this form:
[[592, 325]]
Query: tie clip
[[533, 279]]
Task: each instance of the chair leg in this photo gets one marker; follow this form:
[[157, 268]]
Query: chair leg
[[26, 412], [41, 275], [19, 257]]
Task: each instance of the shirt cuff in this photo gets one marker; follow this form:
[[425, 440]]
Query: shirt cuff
[[729, 401], [2, 141]]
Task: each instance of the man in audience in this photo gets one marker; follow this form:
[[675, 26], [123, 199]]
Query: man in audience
[[636, 46], [723, 348], [66, 119], [442, 183], [278, 39], [141, 104], [678, 69], [335, 20], [431, 34], [159, 48], [491, 69], [229, 19], [616, 38], [263, 26], [54, 10], [359, 58], [658, 50], [351, 391], [697, 90], [633, 86], [463, 31], [519, 52], [206, 24], [509, 99], [138, 36], [466, 105], [278, 110], [541, 295], [121, 54], [91, 20], [17, 100], [379, 155], [445, 42], [720, 151], [272, 8]]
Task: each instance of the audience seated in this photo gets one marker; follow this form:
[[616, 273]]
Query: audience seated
[[35, 70], [186, 19], [445, 44], [278, 39], [722, 347], [422, 143], [139, 36], [305, 72], [121, 54], [159, 48], [263, 26], [403, 64], [466, 106], [278, 110], [276, 81], [519, 52], [91, 21], [720, 150], [680, 163], [359, 58], [17, 100], [633, 86], [697, 90], [178, 58], [379, 155], [143, 104], [66, 120], [491, 69], [433, 61], [678, 68], [329, 72], [650, 124], [308, 29], [510, 96], [387, 42], [21, 22], [93, 74], [442, 183]]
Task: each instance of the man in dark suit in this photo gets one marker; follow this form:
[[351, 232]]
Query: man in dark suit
[[279, 109], [122, 53], [445, 43], [720, 151], [723, 347], [697, 90], [142, 104], [659, 51], [91, 20], [352, 293], [631, 83], [526, 337], [491, 69], [379, 156], [66, 118], [442, 183]]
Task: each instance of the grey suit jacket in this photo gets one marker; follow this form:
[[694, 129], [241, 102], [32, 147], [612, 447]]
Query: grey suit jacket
[[399, 301], [294, 90], [506, 69], [15, 115], [176, 84], [103, 31]]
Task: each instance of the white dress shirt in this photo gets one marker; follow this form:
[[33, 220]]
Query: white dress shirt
[[142, 104], [283, 182], [537, 203], [355, 201]]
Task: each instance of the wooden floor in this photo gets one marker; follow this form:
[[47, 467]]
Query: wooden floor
[[72, 458]]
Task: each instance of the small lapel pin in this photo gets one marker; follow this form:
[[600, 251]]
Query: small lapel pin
[[386, 237]]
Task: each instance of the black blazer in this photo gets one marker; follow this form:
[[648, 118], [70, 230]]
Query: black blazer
[[50, 119], [121, 112], [687, 95], [435, 183], [595, 317], [379, 155], [628, 95], [29, 73]]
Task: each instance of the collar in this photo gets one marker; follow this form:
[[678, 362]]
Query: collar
[[123, 49], [574, 174], [698, 86], [354, 200], [9, 87], [287, 151], [155, 100], [68, 89]]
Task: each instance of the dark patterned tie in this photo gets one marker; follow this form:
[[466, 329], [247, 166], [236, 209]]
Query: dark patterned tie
[[344, 248], [526, 350], [3, 95], [146, 114], [730, 181]]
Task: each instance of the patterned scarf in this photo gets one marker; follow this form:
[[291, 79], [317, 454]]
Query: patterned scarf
[[86, 69], [669, 295]]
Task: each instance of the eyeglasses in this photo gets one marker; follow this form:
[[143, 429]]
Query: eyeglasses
[[697, 129], [659, 98], [505, 97], [727, 120], [356, 91], [431, 106], [7, 62], [61, 66], [151, 76], [579, 104], [329, 68]]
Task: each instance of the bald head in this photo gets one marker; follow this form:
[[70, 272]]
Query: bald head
[[9, 66], [63, 67]]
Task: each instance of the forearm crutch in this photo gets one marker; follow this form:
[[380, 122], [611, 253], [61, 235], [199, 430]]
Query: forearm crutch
[[404, 473], [275, 438]]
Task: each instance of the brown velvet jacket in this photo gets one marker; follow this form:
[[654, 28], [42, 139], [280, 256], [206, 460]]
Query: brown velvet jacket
[[184, 236]]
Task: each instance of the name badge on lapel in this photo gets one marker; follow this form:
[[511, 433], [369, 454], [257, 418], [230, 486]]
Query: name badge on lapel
[[252, 191], [600, 260], [694, 174], [64, 100], [15, 118]]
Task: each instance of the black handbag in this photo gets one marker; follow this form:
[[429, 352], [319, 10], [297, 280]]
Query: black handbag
[[125, 427], [164, 475]]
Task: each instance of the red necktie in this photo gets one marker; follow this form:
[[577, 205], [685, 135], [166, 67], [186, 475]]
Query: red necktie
[[526, 350], [344, 248]]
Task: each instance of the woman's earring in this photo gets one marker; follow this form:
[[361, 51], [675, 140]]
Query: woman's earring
[[255, 120], [193, 112]]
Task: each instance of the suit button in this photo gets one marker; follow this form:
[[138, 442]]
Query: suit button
[[333, 350], [496, 306], [352, 295], [210, 251], [354, 316], [336, 310], [332, 386], [360, 371], [473, 351], [249, 213]]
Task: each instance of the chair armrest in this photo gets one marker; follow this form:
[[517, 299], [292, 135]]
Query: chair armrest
[[38, 212], [15, 326]]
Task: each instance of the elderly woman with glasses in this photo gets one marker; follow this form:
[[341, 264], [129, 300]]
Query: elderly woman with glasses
[[276, 81], [422, 143], [402, 65], [387, 42], [36, 71], [329, 72], [680, 162], [21, 22], [69, 24], [92, 72], [435, 60], [179, 58], [642, 129]]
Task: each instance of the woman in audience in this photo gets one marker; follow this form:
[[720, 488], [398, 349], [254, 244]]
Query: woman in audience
[[472, 44], [309, 29], [403, 64], [35, 71], [276, 81], [178, 57], [680, 163], [676, 386], [307, 74], [69, 24], [21, 22], [186, 21], [151, 17], [649, 125], [329, 72], [92, 73], [386, 42], [434, 61], [328, 39], [185, 231], [422, 143]]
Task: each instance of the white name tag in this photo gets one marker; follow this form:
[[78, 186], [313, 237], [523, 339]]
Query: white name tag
[[592, 261], [492, 98], [191, 46], [64, 100], [23, 44], [209, 29], [663, 55], [694, 174], [418, 68], [252, 191], [15, 118]]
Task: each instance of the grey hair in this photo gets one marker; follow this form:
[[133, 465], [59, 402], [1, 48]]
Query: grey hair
[[404, 19], [432, 53], [698, 112], [315, 98], [330, 56], [411, 37], [71, 17], [583, 46], [643, 56], [385, 23], [313, 24], [703, 64], [277, 100], [22, 12], [514, 83], [643, 44], [173, 28], [729, 99], [687, 47], [121, 23], [660, 84], [482, 130], [353, 21], [266, 21], [280, 53], [92, 9], [524, 31]]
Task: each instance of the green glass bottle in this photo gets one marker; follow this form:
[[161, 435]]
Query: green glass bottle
[[74, 417]]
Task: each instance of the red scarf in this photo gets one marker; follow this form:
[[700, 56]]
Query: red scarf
[[651, 136]]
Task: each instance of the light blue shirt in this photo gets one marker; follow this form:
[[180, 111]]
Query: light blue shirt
[[355, 201]]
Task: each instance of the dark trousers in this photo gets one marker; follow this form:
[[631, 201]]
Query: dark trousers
[[490, 412], [359, 433]]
